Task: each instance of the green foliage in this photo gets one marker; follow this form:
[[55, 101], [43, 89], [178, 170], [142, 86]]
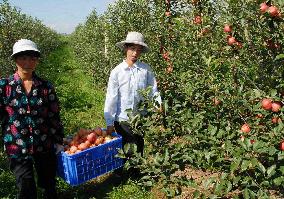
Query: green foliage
[[195, 67], [131, 190], [81, 101], [94, 41], [15, 25], [7, 181]]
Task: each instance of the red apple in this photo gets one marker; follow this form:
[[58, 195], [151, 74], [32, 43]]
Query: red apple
[[82, 146], [273, 11], [216, 101], [276, 106], [204, 31], [194, 2], [98, 131], [281, 146], [231, 40], [227, 28], [239, 44], [259, 116], [91, 137], [275, 120], [166, 56], [245, 128], [263, 7], [266, 104], [197, 19], [73, 149], [252, 141], [169, 69], [88, 143], [99, 140]]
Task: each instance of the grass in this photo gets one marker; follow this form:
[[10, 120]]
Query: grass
[[81, 102], [81, 107]]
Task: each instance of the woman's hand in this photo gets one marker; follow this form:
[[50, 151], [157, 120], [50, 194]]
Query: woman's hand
[[110, 129]]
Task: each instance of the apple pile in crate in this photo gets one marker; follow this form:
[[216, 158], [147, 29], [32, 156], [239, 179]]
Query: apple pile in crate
[[86, 138]]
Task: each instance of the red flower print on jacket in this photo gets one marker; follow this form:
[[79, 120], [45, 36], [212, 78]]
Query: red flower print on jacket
[[14, 129], [12, 149], [8, 90], [27, 118], [9, 110]]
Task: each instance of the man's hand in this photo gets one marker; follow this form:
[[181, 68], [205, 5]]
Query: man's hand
[[110, 129], [58, 148], [160, 109]]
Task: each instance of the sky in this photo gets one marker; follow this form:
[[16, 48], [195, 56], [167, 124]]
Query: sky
[[61, 15]]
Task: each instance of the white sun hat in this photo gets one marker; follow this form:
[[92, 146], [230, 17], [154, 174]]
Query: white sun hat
[[134, 38], [24, 45]]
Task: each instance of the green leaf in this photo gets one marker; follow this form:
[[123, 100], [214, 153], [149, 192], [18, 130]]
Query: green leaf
[[213, 196], [126, 148], [281, 169], [246, 193], [281, 156], [280, 56], [166, 107], [251, 194], [273, 92], [261, 168], [265, 183], [166, 156], [148, 183], [271, 170], [254, 162], [229, 187], [218, 188], [257, 93], [196, 194], [208, 183], [212, 129], [245, 165], [278, 181]]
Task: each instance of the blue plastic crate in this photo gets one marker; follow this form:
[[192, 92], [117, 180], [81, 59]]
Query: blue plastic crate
[[88, 164]]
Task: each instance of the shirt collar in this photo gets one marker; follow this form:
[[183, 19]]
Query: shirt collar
[[125, 65], [35, 79]]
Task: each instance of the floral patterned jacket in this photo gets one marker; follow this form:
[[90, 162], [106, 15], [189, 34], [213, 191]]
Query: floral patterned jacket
[[30, 122]]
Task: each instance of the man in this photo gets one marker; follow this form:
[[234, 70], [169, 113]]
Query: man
[[31, 126], [124, 84]]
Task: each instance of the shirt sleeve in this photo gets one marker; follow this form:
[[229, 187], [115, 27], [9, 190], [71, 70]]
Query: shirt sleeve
[[56, 126], [110, 108], [1, 106], [1, 99], [151, 81]]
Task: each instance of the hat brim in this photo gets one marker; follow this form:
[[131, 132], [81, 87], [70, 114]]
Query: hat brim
[[121, 45], [26, 49]]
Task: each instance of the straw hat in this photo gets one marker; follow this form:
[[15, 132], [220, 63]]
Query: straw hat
[[134, 38]]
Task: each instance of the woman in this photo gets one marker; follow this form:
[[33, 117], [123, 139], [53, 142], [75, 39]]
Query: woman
[[31, 125]]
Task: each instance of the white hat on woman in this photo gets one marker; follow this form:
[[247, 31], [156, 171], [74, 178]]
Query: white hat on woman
[[134, 38], [24, 45]]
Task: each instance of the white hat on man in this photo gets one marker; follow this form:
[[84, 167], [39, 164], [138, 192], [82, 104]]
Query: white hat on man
[[134, 38]]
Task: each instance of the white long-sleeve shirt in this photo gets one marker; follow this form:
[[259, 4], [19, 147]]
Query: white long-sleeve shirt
[[122, 91]]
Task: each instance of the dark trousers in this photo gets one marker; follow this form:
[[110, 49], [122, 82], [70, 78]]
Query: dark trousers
[[128, 136], [45, 167]]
